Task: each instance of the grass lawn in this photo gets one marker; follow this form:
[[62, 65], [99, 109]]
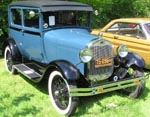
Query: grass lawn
[[21, 98]]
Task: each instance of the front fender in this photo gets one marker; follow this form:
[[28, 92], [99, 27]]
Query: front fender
[[135, 59], [68, 70]]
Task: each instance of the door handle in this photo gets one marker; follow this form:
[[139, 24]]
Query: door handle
[[22, 31], [115, 37]]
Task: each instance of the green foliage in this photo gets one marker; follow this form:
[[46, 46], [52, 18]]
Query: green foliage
[[113, 9], [1, 32], [142, 8], [4, 16]]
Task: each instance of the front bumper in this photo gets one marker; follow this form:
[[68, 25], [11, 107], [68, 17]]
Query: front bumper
[[108, 87]]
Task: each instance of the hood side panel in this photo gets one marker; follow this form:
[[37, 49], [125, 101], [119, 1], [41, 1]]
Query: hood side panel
[[66, 44]]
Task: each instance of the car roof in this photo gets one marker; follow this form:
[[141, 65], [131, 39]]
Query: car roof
[[53, 5], [132, 20], [127, 20]]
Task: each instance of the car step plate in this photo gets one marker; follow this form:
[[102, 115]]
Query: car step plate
[[27, 71]]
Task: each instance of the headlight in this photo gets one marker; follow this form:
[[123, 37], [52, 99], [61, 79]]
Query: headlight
[[86, 55], [122, 50]]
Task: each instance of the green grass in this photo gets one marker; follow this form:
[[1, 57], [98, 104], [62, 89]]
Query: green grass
[[21, 98]]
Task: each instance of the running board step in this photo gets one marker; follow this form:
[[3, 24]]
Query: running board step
[[27, 71]]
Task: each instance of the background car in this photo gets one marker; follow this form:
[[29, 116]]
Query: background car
[[133, 32]]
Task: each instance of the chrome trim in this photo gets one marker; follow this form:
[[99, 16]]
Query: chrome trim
[[105, 87], [101, 49]]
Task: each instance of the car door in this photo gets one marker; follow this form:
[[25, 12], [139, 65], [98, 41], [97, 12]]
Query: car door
[[31, 37], [129, 34]]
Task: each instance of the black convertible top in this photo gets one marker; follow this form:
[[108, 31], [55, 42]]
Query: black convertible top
[[53, 5]]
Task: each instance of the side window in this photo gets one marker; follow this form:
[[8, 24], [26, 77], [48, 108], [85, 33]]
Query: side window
[[16, 16], [31, 18], [114, 29], [127, 29], [139, 32]]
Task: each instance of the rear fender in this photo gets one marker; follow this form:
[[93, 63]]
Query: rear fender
[[14, 49]]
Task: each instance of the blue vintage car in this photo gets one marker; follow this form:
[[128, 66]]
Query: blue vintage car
[[52, 40]]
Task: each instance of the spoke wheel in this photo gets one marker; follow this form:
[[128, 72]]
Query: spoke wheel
[[135, 91], [9, 61], [59, 90]]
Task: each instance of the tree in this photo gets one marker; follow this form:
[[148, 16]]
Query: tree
[[113, 9], [4, 17]]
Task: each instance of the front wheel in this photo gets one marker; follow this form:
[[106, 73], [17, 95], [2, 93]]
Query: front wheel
[[135, 91], [59, 89], [9, 60]]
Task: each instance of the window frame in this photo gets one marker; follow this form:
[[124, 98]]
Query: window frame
[[122, 31], [22, 26], [88, 26], [11, 22]]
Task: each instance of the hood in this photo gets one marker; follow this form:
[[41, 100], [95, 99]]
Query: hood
[[75, 38]]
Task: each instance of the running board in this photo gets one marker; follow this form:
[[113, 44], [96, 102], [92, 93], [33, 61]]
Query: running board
[[27, 71]]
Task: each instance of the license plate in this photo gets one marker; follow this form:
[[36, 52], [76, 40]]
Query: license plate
[[103, 62]]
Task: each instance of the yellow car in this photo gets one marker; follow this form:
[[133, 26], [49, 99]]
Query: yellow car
[[133, 32]]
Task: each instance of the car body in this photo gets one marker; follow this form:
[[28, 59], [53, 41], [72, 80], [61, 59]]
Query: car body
[[133, 32], [52, 40]]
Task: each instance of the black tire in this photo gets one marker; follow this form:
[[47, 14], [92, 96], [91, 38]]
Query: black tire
[[135, 91], [58, 88], [9, 61]]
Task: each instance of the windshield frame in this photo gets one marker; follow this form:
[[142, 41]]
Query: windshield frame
[[146, 30], [88, 21], [147, 27]]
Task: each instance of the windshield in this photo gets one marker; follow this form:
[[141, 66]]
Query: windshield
[[65, 18], [147, 27]]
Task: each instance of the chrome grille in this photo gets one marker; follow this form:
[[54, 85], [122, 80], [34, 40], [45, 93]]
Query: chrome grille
[[100, 49]]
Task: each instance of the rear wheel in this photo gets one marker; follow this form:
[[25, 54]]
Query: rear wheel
[[135, 91], [9, 60], [59, 89]]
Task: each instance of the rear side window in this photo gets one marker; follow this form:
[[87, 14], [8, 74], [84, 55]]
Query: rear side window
[[127, 29], [31, 18], [16, 16]]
